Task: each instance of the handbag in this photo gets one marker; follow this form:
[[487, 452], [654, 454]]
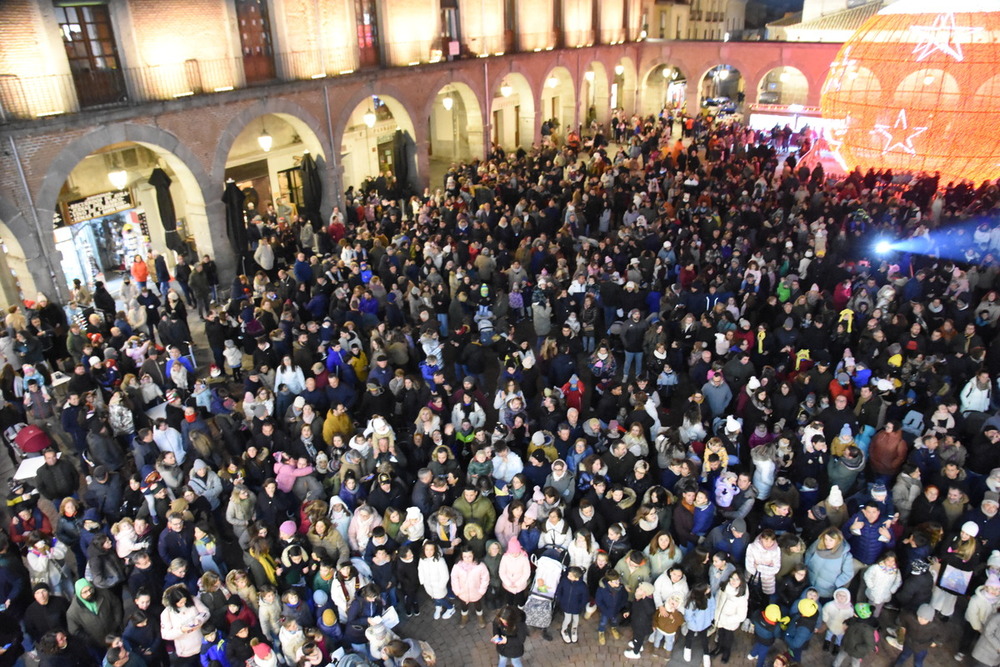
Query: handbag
[[758, 599]]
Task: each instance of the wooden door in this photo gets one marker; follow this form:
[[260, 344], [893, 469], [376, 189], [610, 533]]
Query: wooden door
[[255, 40], [367, 25]]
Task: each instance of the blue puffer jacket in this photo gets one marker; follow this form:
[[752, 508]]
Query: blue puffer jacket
[[799, 631], [610, 600], [867, 546], [829, 570], [572, 596]]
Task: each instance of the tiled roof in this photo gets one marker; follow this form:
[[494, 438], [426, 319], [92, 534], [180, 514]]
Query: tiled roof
[[849, 19], [785, 21]]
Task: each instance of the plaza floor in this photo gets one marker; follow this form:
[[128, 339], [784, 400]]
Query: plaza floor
[[470, 646]]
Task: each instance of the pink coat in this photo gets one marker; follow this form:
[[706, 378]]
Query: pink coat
[[515, 568], [285, 474], [506, 530], [469, 581]]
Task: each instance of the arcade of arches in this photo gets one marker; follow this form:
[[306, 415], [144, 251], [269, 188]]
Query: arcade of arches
[[376, 130]]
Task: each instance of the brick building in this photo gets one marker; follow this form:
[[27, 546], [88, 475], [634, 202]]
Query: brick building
[[95, 95]]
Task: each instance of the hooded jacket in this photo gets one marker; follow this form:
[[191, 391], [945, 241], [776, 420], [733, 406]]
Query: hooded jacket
[[515, 568], [469, 581], [611, 601], [433, 575]]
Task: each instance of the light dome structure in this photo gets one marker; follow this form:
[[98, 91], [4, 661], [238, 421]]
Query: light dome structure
[[917, 88]]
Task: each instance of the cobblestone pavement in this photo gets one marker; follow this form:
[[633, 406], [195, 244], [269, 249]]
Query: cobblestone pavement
[[470, 647]]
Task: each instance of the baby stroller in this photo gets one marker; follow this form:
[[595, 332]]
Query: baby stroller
[[27, 441], [549, 568]]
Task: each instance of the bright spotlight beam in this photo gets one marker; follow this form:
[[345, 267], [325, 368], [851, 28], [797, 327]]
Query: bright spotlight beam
[[883, 247]]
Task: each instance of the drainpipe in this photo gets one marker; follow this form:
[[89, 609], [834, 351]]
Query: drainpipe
[[34, 217], [334, 160], [488, 104]]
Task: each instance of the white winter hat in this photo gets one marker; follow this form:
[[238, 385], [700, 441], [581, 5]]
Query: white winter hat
[[753, 384], [836, 498], [970, 528], [732, 426]]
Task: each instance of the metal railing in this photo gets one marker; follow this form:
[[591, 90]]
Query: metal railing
[[30, 97]]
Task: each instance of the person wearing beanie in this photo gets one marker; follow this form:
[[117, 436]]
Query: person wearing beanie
[[515, 573], [984, 602], [958, 563], [640, 617], [263, 656], [920, 633], [802, 626], [767, 628], [987, 649], [859, 637]]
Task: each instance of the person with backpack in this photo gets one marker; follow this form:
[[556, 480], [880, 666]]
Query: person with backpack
[[860, 637], [801, 627], [767, 627]]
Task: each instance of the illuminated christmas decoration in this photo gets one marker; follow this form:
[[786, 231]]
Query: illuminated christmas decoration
[[917, 88]]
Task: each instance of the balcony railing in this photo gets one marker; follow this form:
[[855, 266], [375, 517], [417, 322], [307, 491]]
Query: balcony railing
[[30, 97]]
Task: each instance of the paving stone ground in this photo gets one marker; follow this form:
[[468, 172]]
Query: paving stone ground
[[470, 647]]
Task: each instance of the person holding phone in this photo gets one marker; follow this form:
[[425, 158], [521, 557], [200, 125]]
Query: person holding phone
[[509, 635]]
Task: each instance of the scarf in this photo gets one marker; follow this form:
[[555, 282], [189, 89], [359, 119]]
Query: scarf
[[89, 605], [761, 335], [270, 567], [847, 315]]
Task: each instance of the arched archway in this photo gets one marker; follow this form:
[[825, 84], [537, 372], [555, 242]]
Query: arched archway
[[295, 127], [455, 124], [107, 212], [195, 198], [379, 139], [624, 86], [558, 98], [512, 112], [265, 160], [594, 94], [665, 86], [16, 280], [721, 90], [783, 85]]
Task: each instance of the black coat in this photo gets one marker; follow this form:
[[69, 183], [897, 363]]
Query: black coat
[[516, 636], [39, 619], [641, 616]]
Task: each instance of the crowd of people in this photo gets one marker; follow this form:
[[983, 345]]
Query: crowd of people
[[671, 374]]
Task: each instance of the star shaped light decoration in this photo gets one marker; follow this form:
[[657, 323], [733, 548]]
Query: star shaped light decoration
[[889, 133], [843, 67], [942, 36]]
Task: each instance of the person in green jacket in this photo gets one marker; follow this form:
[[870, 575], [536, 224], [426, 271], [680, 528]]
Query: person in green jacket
[[93, 614], [475, 508]]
